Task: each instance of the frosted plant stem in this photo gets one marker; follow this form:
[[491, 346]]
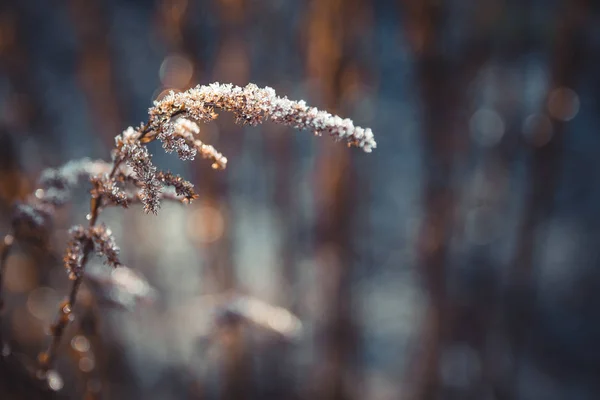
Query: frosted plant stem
[[46, 359]]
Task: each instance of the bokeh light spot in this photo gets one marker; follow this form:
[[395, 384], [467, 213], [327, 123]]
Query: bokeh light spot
[[80, 343], [86, 364], [55, 382], [206, 224], [537, 129], [487, 127], [41, 303], [176, 71], [563, 104]]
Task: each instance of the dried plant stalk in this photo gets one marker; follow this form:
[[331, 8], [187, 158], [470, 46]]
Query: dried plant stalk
[[35, 214], [133, 178], [252, 105]]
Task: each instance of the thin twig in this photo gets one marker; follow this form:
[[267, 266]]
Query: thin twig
[[46, 359]]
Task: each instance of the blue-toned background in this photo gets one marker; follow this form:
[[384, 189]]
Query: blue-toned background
[[459, 260]]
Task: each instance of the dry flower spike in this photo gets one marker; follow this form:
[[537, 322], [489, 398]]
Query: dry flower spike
[[133, 178], [251, 105], [174, 121]]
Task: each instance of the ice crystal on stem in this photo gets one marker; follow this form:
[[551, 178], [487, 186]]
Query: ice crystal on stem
[[179, 137], [75, 252], [137, 156], [107, 187], [145, 174], [97, 237], [105, 245], [182, 187]]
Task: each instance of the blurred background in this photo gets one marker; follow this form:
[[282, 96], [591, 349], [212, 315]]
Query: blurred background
[[459, 260]]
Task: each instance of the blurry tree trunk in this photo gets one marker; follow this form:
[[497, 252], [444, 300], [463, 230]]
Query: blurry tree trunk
[[331, 50], [545, 166], [23, 116], [27, 114], [278, 380], [279, 383], [443, 79], [95, 70]]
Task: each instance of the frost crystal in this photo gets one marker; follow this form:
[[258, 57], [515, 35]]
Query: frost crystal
[[139, 159], [100, 237], [54, 190]]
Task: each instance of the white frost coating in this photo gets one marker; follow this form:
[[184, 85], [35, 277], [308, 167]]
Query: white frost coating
[[253, 105]]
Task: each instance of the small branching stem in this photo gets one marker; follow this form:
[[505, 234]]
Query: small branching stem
[[46, 359]]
